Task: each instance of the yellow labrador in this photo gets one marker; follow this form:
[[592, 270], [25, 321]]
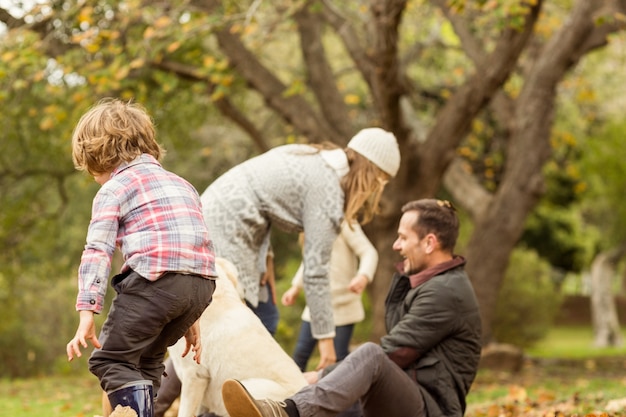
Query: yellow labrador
[[235, 345]]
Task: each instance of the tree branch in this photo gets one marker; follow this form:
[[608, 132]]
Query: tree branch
[[225, 106], [294, 108], [455, 118], [466, 189], [350, 40], [320, 74]]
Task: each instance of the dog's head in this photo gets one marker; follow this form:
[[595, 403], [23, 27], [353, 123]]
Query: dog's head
[[227, 271]]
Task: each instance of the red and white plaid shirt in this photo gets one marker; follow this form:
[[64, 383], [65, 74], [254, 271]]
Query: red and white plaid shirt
[[155, 218]]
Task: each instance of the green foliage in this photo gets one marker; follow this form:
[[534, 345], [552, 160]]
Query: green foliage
[[558, 234], [604, 170], [36, 326], [528, 300]]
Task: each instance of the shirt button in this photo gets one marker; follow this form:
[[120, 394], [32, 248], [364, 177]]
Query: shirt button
[[98, 281], [92, 302]]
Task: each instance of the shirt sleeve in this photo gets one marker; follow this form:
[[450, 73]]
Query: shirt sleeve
[[362, 248], [298, 279], [95, 264], [319, 234]]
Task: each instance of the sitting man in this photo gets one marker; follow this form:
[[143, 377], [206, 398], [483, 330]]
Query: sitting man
[[425, 365]]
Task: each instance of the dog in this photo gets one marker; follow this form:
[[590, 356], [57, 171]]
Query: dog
[[235, 345]]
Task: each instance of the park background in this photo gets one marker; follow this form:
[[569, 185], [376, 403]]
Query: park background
[[513, 110]]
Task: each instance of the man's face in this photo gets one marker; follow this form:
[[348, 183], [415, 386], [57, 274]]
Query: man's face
[[408, 244]]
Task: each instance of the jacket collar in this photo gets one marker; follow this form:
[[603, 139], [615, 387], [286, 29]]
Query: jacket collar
[[425, 275]]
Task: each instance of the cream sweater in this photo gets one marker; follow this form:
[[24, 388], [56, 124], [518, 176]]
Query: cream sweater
[[352, 254]]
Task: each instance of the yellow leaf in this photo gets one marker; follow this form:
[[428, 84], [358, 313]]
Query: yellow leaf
[[92, 48], [85, 15], [51, 109], [8, 56], [78, 97], [173, 46], [46, 123], [121, 73], [352, 99], [148, 33], [38, 76], [208, 61], [162, 22], [136, 63], [227, 80]]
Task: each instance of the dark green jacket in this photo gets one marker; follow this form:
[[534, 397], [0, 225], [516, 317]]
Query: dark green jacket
[[434, 334]]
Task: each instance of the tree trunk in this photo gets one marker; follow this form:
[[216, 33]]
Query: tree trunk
[[604, 318]]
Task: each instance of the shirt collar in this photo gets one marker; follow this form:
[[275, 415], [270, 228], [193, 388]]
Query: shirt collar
[[144, 158], [425, 275]]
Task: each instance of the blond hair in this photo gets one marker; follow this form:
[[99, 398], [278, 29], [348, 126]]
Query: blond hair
[[113, 132], [363, 186]]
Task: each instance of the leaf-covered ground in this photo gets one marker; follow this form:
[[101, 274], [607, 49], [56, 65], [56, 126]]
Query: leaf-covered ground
[[546, 388], [552, 388]]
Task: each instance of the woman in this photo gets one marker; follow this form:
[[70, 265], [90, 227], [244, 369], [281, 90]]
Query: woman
[[299, 188], [352, 266]]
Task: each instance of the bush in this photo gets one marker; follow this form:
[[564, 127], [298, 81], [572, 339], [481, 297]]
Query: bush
[[528, 300]]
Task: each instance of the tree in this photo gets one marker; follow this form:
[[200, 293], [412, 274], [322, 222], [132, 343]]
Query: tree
[[433, 72], [604, 169]]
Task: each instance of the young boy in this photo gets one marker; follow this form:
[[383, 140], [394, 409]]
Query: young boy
[[167, 280]]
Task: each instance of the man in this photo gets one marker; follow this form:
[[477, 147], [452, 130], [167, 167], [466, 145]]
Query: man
[[425, 365]]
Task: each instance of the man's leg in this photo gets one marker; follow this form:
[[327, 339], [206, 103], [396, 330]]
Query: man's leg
[[368, 375]]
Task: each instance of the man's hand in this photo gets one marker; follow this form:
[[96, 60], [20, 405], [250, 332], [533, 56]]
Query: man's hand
[[192, 338], [86, 332]]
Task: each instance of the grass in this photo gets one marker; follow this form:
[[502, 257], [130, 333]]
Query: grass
[[573, 342], [56, 396], [563, 371]]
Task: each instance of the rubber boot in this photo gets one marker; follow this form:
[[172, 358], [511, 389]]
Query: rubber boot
[[137, 395]]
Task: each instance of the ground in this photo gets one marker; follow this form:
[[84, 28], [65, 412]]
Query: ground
[[552, 388]]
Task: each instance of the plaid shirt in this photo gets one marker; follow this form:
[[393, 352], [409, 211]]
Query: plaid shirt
[[155, 218]]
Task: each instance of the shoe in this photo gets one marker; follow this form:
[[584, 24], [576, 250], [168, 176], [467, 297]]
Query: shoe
[[239, 402]]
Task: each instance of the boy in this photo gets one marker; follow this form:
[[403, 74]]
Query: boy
[[167, 279]]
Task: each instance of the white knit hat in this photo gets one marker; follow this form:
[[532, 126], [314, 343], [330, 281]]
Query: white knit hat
[[379, 146]]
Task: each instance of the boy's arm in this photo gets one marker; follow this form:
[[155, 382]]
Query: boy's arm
[[86, 332]]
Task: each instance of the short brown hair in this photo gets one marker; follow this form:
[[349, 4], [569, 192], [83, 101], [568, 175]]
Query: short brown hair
[[438, 217], [112, 132]]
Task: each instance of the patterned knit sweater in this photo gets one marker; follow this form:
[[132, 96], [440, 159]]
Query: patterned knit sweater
[[293, 188]]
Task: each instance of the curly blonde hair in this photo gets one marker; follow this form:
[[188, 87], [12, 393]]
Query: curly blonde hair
[[113, 132]]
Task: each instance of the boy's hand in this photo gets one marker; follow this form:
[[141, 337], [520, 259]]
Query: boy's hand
[[86, 332], [192, 338]]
